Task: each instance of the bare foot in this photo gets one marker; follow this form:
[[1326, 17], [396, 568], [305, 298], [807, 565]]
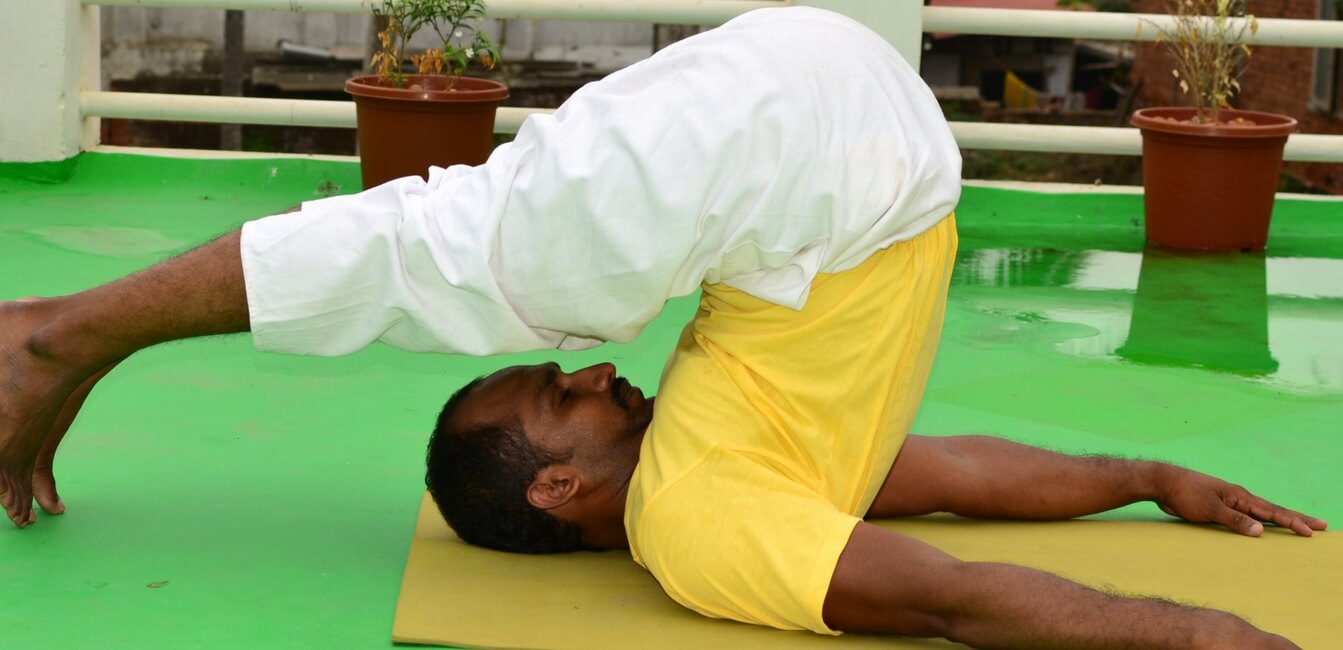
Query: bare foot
[[44, 479], [35, 386]]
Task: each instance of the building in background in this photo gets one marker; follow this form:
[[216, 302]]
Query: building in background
[[309, 56], [1029, 78]]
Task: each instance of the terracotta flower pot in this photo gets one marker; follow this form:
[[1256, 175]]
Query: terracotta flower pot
[[1210, 187], [403, 131]]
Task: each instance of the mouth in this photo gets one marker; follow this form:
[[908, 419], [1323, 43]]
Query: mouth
[[626, 395]]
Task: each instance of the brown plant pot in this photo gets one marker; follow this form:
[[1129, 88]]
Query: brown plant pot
[[1210, 187], [403, 131]]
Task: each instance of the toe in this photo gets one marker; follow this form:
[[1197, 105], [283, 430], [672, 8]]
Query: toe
[[26, 515], [44, 491], [18, 505], [52, 506]]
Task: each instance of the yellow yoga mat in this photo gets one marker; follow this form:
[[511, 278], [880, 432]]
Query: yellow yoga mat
[[459, 595]]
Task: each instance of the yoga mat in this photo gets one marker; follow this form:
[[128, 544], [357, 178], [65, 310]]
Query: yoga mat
[[458, 595]]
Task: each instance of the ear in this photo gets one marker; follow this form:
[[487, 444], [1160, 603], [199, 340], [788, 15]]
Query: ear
[[554, 486]]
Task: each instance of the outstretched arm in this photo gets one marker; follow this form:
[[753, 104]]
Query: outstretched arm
[[890, 583], [985, 477]]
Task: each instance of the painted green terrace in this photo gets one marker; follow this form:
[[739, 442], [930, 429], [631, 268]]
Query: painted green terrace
[[223, 498]]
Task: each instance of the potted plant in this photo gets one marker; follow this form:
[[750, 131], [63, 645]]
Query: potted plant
[[436, 116], [1210, 172]]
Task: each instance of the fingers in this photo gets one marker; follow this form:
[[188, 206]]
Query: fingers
[[1269, 512], [1249, 506], [1239, 522]]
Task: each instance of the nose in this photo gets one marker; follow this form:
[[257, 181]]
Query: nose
[[596, 377]]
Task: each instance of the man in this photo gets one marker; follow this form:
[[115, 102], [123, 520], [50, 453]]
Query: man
[[533, 459], [792, 163]]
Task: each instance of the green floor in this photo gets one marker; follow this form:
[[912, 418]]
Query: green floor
[[222, 498]]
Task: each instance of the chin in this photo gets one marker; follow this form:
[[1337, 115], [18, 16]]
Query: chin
[[640, 418]]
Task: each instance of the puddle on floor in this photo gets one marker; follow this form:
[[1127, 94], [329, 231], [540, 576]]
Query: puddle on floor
[[1273, 320], [109, 241]]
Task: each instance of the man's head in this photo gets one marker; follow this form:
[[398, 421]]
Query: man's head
[[530, 458]]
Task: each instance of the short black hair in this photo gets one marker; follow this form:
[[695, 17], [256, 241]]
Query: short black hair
[[479, 475]]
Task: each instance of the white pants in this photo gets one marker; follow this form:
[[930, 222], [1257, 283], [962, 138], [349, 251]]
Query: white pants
[[733, 156]]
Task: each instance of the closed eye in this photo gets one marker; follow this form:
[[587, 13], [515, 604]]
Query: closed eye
[[564, 396]]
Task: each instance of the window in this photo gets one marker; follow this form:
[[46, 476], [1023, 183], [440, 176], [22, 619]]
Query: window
[[1325, 85]]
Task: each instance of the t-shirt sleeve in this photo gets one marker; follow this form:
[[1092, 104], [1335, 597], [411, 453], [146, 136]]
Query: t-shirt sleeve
[[764, 553]]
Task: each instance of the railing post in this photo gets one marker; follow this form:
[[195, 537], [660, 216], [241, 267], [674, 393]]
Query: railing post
[[898, 21], [90, 71], [43, 46]]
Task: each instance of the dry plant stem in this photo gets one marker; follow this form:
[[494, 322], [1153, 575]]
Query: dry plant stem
[[49, 348], [1208, 44], [387, 60]]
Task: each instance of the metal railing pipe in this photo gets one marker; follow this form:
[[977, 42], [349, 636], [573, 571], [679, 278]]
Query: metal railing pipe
[[249, 110], [1314, 147], [1047, 138], [304, 6], [694, 12], [970, 135], [691, 12], [1095, 25], [1301, 147], [207, 108], [959, 20]]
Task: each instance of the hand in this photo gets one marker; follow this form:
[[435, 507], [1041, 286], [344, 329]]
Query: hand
[[1200, 498]]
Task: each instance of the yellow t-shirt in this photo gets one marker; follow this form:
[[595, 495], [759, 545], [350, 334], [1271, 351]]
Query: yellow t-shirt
[[774, 429]]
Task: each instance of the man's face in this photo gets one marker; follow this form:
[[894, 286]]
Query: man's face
[[591, 413]]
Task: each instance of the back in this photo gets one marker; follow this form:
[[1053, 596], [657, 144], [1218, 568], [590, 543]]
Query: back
[[774, 430]]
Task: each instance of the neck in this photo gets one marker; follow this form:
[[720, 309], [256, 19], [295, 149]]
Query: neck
[[606, 533], [604, 524], [601, 517]]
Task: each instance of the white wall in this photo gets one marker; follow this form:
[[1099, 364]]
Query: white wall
[[42, 48]]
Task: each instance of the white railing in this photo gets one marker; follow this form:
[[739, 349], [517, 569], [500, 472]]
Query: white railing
[[1102, 26], [970, 135]]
